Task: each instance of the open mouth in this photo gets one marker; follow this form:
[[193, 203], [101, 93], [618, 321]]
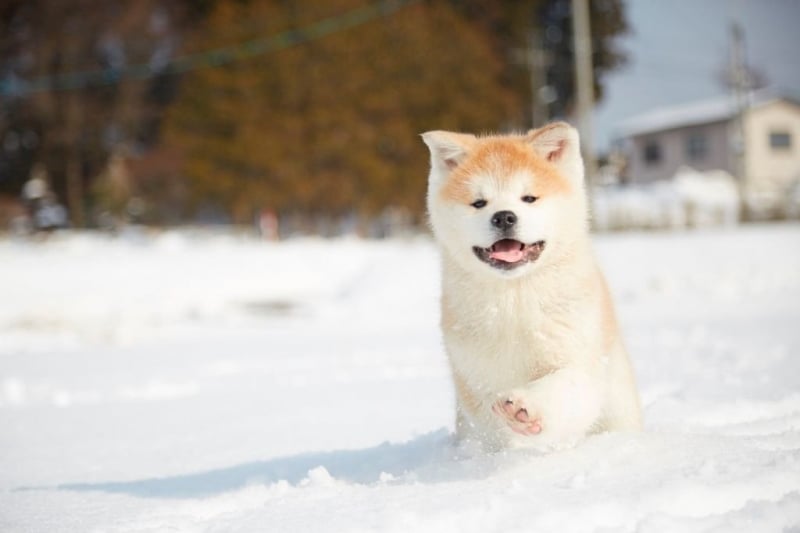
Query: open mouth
[[508, 254]]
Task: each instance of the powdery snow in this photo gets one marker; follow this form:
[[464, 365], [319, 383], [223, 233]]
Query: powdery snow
[[197, 382]]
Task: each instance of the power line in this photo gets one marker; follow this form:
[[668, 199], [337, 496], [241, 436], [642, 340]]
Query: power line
[[209, 58]]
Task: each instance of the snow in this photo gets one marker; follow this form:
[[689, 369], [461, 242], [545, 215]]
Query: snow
[[690, 199], [189, 381], [677, 116], [696, 113]]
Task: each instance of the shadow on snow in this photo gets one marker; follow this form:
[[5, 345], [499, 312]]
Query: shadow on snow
[[430, 458]]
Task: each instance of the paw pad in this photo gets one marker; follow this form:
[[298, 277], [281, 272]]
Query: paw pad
[[517, 416]]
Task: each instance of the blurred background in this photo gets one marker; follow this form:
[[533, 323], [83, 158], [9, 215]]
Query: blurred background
[[182, 348], [303, 117]]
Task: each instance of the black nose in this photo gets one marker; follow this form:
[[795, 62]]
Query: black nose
[[504, 220]]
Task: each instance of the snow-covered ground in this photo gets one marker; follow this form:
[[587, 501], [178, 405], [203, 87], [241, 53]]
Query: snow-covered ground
[[198, 382]]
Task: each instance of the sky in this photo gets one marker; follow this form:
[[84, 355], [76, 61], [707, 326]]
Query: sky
[[676, 49]]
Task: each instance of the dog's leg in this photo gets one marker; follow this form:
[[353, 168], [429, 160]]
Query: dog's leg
[[463, 426], [560, 407]]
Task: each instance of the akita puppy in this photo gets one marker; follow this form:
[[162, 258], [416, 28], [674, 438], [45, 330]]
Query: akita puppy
[[529, 326]]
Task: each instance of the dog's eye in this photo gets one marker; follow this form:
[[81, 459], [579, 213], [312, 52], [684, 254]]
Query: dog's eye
[[528, 199], [477, 204]]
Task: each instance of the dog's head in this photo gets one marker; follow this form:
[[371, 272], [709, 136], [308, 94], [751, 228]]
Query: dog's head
[[503, 204]]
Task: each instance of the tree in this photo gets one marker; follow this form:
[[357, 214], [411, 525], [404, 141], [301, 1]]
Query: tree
[[331, 126], [607, 23], [546, 26], [65, 96], [324, 119]]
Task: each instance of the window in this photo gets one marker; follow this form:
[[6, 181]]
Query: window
[[780, 140], [652, 153], [696, 146]]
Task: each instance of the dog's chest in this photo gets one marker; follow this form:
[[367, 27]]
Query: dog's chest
[[501, 343]]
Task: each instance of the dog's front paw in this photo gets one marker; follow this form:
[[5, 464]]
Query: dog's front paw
[[519, 416]]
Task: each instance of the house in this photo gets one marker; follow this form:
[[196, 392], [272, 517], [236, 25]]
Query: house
[[703, 136]]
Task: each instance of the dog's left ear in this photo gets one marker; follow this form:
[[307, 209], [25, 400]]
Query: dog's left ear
[[559, 143], [448, 150]]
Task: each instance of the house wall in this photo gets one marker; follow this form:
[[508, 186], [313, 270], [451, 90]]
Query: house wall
[[772, 170], [674, 152]]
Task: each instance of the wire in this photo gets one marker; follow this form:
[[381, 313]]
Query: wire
[[210, 58]]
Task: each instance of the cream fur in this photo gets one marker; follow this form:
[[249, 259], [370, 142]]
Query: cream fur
[[544, 335]]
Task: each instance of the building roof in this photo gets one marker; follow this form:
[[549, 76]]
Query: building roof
[[693, 114]]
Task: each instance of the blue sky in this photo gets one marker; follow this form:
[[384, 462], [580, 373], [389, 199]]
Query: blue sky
[[676, 48]]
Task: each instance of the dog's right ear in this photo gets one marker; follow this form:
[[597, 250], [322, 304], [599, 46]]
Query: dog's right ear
[[559, 144], [448, 149]]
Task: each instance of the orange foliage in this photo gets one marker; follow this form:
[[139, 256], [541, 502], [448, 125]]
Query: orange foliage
[[331, 126]]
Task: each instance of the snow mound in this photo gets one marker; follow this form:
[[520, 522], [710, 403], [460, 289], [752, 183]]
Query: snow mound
[[689, 199]]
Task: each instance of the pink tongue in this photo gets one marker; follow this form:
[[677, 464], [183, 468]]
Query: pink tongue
[[507, 250]]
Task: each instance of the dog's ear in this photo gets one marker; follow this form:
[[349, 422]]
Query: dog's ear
[[559, 143], [448, 149]]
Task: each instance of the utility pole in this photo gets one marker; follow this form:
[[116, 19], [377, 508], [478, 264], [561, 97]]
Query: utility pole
[[73, 116], [73, 164], [584, 85], [740, 84], [535, 60]]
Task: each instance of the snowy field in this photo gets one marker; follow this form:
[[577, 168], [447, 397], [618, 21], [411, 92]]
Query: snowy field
[[201, 382]]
